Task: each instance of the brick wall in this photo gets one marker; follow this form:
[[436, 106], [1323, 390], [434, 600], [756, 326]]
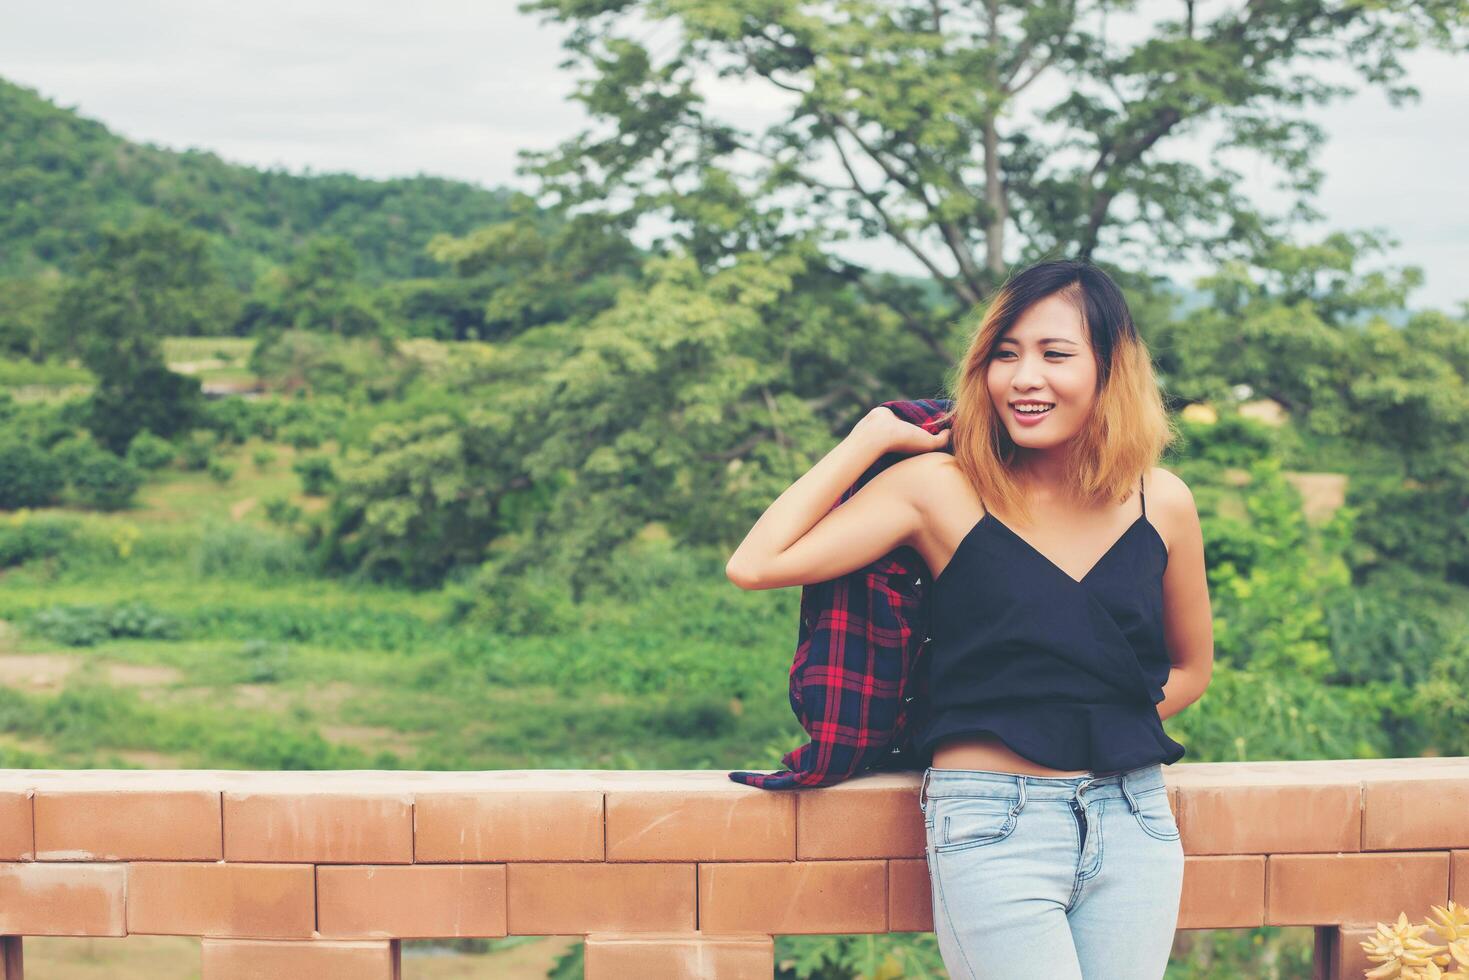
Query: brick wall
[[320, 874]]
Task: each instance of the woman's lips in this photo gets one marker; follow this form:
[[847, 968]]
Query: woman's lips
[[1030, 418]]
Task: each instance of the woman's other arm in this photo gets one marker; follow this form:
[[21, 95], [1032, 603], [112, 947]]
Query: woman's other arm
[[1188, 620], [784, 548]]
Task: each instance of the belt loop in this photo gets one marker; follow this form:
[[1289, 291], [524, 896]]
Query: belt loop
[[1127, 792], [1020, 803], [923, 790]]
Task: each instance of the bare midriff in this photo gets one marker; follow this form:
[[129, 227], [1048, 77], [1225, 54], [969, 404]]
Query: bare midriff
[[983, 750]]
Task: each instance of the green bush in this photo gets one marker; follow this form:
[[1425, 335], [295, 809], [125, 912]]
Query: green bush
[[24, 538], [262, 457], [150, 452], [303, 435], [29, 476], [86, 625], [316, 473], [245, 551], [530, 603], [263, 662], [103, 481], [281, 511], [196, 449], [220, 471]]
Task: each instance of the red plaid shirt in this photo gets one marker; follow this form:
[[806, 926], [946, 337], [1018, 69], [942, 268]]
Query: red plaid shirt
[[854, 683]]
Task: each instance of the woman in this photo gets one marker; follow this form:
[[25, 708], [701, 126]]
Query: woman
[[1070, 614]]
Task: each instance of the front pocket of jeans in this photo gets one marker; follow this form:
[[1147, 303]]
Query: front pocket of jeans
[[1155, 817], [965, 822]]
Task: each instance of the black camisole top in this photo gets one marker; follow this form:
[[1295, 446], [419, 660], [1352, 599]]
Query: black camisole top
[[1066, 673]]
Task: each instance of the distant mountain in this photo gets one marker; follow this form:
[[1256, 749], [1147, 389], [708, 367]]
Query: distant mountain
[[63, 176]]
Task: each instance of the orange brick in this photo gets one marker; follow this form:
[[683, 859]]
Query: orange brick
[[794, 897], [127, 825], [1403, 814], [239, 901], [695, 957], [1339, 953], [322, 959], [741, 825], [1270, 819], [421, 902], [17, 834], [501, 826], [565, 899], [62, 899], [339, 828], [1459, 876], [1225, 891], [1327, 889], [910, 896], [863, 817]]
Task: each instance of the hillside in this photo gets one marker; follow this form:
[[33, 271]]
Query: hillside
[[63, 176]]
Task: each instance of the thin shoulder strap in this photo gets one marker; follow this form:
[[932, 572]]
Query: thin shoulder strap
[[1142, 496]]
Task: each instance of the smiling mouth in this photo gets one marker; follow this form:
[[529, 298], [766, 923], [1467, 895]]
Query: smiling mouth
[[1032, 408]]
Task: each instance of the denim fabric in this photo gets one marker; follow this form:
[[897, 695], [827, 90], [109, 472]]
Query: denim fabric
[[1059, 877]]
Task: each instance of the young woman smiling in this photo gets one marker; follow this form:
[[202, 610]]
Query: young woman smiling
[[1069, 615]]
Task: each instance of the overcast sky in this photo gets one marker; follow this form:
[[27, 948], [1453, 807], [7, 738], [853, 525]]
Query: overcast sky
[[455, 88]]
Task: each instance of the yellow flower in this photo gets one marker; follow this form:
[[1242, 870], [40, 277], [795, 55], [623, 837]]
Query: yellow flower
[[1451, 923], [1403, 953]]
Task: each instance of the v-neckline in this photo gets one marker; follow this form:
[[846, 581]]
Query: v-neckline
[[989, 516]]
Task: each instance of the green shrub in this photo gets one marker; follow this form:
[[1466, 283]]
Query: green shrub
[[316, 474], [303, 435], [29, 476], [262, 457], [85, 625], [196, 449], [105, 482], [263, 662], [246, 551], [530, 603], [281, 511], [25, 538], [220, 471], [150, 452]]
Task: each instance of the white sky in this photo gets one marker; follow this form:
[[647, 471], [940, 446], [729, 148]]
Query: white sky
[[456, 88]]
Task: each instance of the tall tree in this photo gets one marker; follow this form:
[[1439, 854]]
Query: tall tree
[[952, 127], [144, 283]]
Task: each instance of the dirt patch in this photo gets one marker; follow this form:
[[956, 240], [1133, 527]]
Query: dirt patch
[[242, 507], [146, 759], [37, 671], [143, 675], [1321, 493], [370, 737], [259, 697]]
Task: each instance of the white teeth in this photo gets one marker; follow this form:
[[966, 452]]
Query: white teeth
[[1033, 410]]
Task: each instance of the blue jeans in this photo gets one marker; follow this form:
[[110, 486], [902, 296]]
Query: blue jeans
[[1020, 886]]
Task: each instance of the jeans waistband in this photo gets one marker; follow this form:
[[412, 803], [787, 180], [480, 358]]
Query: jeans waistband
[[1016, 786]]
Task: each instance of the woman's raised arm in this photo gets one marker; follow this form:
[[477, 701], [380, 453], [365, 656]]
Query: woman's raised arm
[[794, 544]]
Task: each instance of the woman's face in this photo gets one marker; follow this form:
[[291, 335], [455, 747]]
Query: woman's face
[[1045, 357]]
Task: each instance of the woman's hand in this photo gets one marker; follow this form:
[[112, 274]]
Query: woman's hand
[[881, 428]]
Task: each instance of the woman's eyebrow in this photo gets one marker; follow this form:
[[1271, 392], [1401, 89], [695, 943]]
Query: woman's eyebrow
[[1043, 340]]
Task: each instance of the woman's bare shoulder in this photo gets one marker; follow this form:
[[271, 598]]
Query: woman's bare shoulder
[[1170, 504]]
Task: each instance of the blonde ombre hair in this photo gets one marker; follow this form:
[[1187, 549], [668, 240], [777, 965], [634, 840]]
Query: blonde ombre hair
[[1128, 428]]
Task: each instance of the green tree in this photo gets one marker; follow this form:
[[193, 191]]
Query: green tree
[[146, 282], [531, 270], [904, 120]]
